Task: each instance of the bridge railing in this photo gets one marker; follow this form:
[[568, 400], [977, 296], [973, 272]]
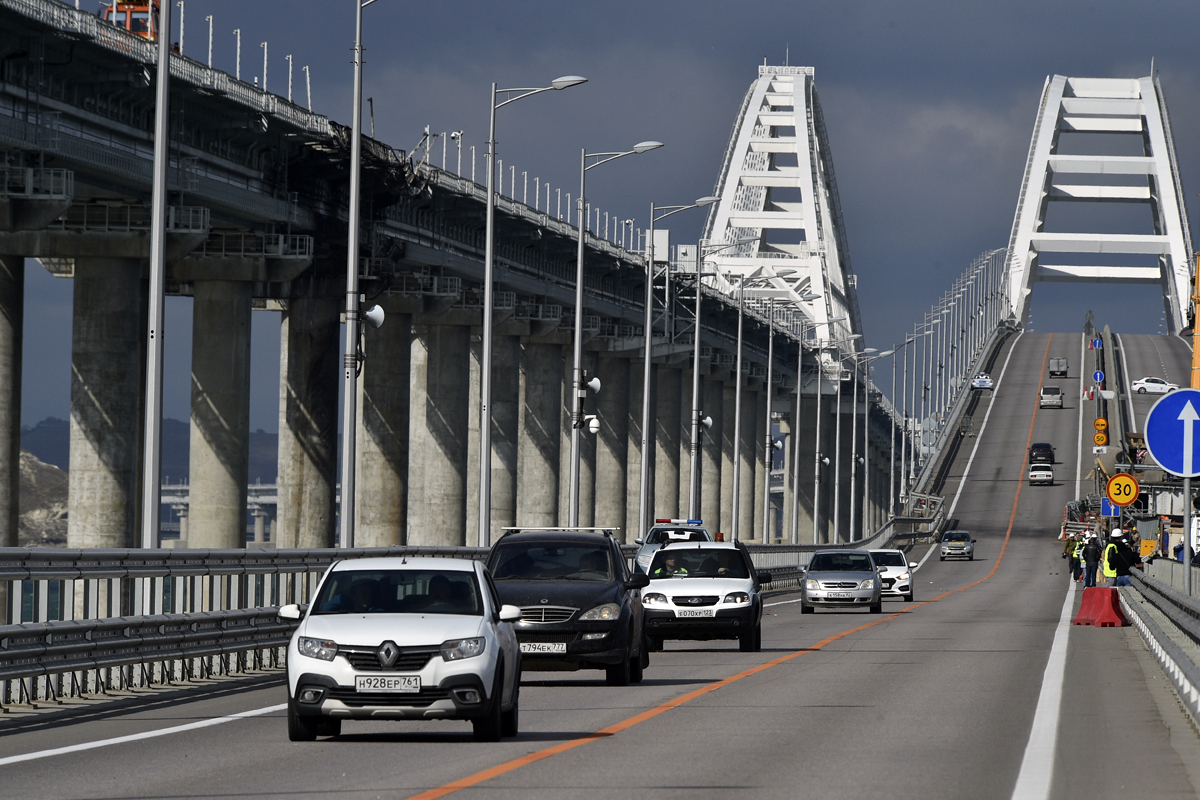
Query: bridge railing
[[37, 182], [1169, 621]]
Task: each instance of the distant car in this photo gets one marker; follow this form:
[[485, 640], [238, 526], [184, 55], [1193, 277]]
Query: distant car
[[1042, 474], [1152, 386], [982, 381], [1041, 453], [896, 573], [668, 531], [704, 590], [957, 544], [1050, 397], [841, 578]]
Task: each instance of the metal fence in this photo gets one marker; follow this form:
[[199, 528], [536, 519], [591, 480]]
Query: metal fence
[[1169, 621]]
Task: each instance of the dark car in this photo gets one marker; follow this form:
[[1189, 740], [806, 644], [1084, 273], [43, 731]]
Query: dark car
[[1041, 453], [580, 605]]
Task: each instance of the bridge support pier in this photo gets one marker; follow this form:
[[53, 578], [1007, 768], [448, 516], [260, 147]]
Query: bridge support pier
[[728, 433], [538, 443], [667, 442], [219, 460], [761, 460], [506, 394], [712, 405], [107, 376], [750, 433], [308, 376], [612, 408], [633, 450], [12, 310]]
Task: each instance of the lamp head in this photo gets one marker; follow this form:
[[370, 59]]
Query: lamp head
[[708, 201], [567, 81], [706, 423], [594, 385], [644, 147], [869, 350], [374, 315], [885, 353]]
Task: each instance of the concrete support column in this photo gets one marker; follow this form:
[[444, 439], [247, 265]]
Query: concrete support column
[[685, 441], [728, 432], [382, 449], [308, 422], [612, 408], [712, 405], [805, 437], [751, 432], [587, 445], [438, 423], [762, 472], [182, 512], [633, 451], [788, 427], [666, 451], [260, 526], [539, 437], [12, 309], [506, 396], [107, 370], [219, 459]]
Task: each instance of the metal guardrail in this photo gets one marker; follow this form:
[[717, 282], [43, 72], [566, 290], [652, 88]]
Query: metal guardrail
[[263, 245], [39, 182], [1183, 613], [124, 218]]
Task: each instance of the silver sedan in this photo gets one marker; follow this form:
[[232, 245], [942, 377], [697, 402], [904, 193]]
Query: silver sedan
[[841, 578]]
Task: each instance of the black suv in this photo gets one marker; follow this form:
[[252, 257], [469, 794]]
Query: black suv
[[1041, 453], [580, 605]]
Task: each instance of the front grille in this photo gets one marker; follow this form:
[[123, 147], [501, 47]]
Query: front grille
[[839, 584], [421, 699], [411, 659], [546, 613], [545, 638], [699, 600], [887, 582]]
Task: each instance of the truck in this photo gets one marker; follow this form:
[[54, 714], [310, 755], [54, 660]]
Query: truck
[[1058, 368]]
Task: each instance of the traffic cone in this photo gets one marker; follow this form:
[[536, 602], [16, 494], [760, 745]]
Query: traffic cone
[[1088, 608], [1108, 610]]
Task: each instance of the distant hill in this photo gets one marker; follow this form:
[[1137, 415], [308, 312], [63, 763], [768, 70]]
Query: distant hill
[[43, 520], [50, 442]]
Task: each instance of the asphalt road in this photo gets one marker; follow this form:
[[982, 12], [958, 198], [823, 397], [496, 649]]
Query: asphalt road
[[934, 699]]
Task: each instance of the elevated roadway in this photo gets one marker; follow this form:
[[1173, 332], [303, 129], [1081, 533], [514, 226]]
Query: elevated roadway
[[934, 699]]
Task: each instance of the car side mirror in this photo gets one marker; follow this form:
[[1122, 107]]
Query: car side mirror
[[638, 581], [639, 540], [913, 565], [973, 541], [764, 577], [509, 613], [290, 611]]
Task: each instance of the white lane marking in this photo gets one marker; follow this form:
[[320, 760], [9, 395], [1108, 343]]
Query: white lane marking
[[1037, 767], [136, 737], [781, 603], [1079, 447], [921, 563], [979, 437]]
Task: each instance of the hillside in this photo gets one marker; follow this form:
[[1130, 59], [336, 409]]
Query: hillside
[[43, 503]]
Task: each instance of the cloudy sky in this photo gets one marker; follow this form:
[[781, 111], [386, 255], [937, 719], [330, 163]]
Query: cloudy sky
[[930, 107]]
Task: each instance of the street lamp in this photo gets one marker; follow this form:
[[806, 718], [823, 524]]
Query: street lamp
[[579, 390], [644, 476], [904, 399], [489, 258], [818, 458], [804, 329], [866, 456], [857, 358]]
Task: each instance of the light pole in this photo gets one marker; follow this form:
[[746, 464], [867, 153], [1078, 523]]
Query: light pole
[[457, 137], [264, 47], [289, 60], [818, 458], [308, 85], [209, 19], [804, 329], [866, 451], [181, 13], [489, 258], [238, 63], [895, 407], [579, 390], [648, 336], [858, 358]]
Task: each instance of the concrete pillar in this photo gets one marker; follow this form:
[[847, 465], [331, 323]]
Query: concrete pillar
[[633, 451], [539, 438], [182, 512], [612, 408], [12, 306], [384, 427], [506, 396], [438, 421], [788, 428], [666, 451], [308, 422], [805, 438], [728, 432], [710, 454], [220, 438], [685, 442], [260, 528], [750, 434], [762, 472], [587, 445], [107, 369]]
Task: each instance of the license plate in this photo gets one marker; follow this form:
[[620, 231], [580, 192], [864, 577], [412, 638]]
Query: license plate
[[543, 647], [838, 595], [695, 612], [397, 684]]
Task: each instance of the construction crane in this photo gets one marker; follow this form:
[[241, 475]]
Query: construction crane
[[139, 18]]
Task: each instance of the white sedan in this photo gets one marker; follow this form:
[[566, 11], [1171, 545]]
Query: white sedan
[[403, 638], [1041, 474], [1152, 386], [982, 381]]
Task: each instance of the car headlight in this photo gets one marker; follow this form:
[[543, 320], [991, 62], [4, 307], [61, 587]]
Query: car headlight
[[904, 576], [604, 613], [811, 584], [315, 648], [645, 559], [737, 597], [869, 583], [651, 599], [456, 649]]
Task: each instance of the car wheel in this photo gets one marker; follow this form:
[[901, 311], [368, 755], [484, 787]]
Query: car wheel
[[971, 557], [329, 726], [941, 558], [619, 674], [908, 598], [636, 670], [301, 729], [1142, 390], [488, 728], [746, 640], [654, 643], [509, 720], [877, 608], [805, 608]]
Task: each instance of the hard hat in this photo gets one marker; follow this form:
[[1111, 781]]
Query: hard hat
[[1117, 534]]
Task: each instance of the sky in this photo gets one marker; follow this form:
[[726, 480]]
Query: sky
[[929, 105]]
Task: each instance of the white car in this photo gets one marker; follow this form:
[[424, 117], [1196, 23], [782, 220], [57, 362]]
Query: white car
[[896, 573], [704, 590], [403, 638], [982, 381], [1041, 474], [1152, 386]]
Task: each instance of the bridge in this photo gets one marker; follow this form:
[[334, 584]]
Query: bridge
[[170, 658]]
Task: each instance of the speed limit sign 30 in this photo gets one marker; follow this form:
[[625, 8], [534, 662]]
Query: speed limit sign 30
[[1122, 489]]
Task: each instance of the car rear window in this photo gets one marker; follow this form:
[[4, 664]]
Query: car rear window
[[540, 561], [1051, 390], [710, 562], [888, 559], [408, 591], [841, 562]]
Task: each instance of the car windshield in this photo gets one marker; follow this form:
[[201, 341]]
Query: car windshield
[[957, 536], [889, 558], [541, 561], [1041, 446], [669, 535], [841, 562], [399, 591], [702, 562], [1051, 390]]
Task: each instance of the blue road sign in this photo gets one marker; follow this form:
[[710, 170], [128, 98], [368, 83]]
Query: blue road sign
[[1098, 376], [1107, 509], [1171, 432], [1097, 344]]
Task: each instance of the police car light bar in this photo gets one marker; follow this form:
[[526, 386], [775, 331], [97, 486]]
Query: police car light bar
[[681, 521]]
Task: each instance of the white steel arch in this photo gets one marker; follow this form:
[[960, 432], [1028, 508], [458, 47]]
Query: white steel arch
[[1102, 106]]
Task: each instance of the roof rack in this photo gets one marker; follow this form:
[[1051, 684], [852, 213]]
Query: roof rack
[[607, 531]]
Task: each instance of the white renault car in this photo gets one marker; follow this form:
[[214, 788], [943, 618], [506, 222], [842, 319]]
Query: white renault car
[[403, 638], [1152, 385], [896, 573]]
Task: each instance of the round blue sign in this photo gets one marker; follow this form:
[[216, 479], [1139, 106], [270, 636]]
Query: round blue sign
[[1097, 344], [1098, 376], [1171, 435]]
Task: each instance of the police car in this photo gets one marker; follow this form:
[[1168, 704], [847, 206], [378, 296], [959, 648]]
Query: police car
[[668, 531], [704, 590]]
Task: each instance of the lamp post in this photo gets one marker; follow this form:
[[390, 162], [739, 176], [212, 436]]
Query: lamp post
[[485, 389], [866, 451], [857, 357], [804, 329], [819, 459], [579, 390], [648, 335], [903, 398]]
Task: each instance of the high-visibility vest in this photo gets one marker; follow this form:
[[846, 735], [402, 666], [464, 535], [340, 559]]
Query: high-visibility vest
[[1109, 572], [1079, 550]]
